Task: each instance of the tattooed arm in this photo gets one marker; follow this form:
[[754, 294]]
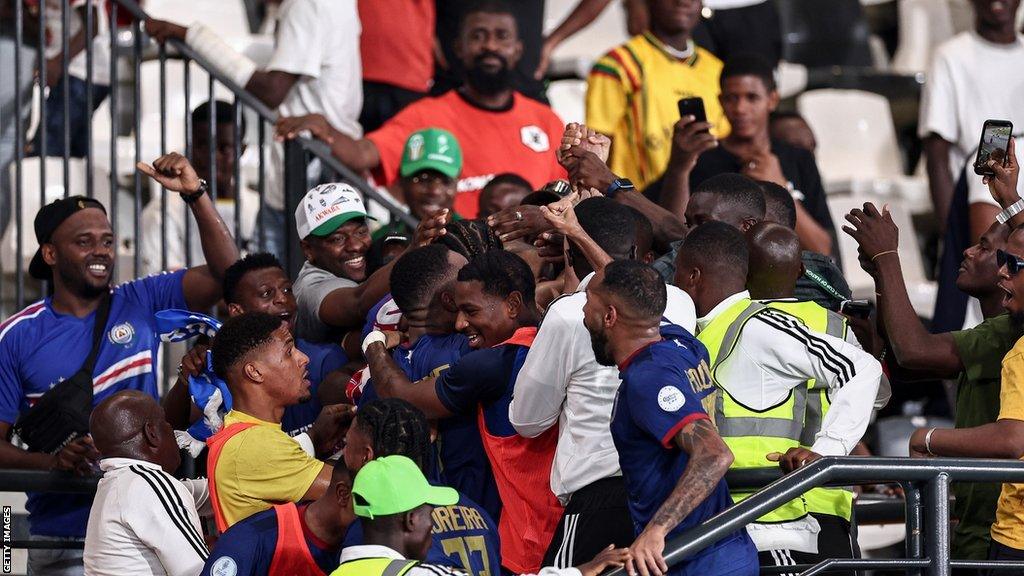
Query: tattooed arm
[[709, 460], [389, 381]]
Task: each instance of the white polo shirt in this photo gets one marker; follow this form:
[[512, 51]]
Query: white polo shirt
[[562, 382], [145, 521]]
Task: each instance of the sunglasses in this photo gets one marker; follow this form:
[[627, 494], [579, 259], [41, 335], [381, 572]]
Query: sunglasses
[[1013, 263]]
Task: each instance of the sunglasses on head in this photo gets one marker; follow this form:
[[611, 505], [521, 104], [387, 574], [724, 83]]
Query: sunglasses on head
[[1013, 263]]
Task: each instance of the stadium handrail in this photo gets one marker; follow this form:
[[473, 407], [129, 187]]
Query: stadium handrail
[[314, 147], [926, 486]]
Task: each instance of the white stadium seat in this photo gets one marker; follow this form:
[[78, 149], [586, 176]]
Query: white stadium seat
[[857, 149]]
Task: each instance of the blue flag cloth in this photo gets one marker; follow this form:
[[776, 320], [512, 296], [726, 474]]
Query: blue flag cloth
[[209, 392]]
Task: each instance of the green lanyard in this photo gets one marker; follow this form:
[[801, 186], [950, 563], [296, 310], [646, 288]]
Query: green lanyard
[[824, 284]]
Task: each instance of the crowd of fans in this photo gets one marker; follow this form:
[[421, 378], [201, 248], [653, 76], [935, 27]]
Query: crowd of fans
[[554, 370]]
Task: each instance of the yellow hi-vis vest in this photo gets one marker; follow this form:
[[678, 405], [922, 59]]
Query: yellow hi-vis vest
[[752, 434], [833, 501], [375, 567]]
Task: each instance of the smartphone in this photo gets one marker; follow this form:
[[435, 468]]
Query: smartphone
[[693, 107], [856, 308], [995, 140]]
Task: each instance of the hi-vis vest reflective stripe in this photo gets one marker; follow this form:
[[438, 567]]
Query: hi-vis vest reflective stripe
[[375, 567], [753, 434], [833, 501]]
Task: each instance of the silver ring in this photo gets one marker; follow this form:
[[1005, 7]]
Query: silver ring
[[519, 216], [804, 461], [752, 165]]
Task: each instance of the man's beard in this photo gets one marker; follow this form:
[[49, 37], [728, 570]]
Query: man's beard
[[77, 284], [599, 342], [486, 82]]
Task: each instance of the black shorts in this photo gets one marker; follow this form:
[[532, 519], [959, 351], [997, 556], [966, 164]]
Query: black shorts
[[597, 515], [836, 540]]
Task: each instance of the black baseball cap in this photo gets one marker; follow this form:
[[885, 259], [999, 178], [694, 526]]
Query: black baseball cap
[[48, 219]]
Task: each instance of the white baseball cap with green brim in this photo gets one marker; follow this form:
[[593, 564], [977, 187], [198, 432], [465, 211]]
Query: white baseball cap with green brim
[[326, 208]]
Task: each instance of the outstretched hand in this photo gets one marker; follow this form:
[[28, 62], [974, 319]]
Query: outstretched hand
[[431, 228], [329, 429], [174, 172], [583, 138], [874, 231], [562, 218], [290, 127], [518, 222], [610, 557], [162, 30], [794, 458]]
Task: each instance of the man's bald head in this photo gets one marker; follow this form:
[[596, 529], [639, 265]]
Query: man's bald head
[[775, 263], [130, 424]]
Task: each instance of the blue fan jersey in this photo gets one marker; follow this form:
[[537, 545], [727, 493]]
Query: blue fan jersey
[[464, 536], [248, 547], [323, 359], [665, 387], [40, 347]]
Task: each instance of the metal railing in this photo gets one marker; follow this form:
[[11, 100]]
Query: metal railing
[[926, 508], [133, 138], [926, 487]]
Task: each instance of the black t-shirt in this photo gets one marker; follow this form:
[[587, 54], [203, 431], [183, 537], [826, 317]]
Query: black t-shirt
[[529, 20], [798, 166]]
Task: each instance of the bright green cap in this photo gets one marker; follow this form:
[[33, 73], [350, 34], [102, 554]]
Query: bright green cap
[[393, 485], [432, 149]]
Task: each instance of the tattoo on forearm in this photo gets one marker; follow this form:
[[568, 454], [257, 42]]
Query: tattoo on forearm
[[387, 376], [702, 474]]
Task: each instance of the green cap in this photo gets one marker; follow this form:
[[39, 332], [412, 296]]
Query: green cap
[[431, 149], [393, 485]]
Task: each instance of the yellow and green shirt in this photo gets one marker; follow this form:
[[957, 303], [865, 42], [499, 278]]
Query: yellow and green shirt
[[633, 94]]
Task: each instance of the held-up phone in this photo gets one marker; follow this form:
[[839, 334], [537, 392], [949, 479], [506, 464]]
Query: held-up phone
[[995, 140], [856, 308], [693, 107]]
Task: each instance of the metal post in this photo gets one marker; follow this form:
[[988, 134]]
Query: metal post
[[938, 542], [115, 123], [136, 176], [65, 63], [912, 494], [294, 188], [90, 23], [237, 175], [188, 154], [19, 146], [212, 134], [163, 150], [261, 184]]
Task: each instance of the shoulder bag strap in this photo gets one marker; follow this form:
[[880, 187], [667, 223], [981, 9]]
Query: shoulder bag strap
[[98, 328]]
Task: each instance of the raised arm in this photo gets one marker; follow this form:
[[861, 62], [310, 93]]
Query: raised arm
[[709, 459], [202, 284], [562, 216], [1003, 183], [913, 346]]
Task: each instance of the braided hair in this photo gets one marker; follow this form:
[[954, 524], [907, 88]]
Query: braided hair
[[470, 238], [395, 426]]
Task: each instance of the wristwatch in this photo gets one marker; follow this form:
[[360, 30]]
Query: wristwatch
[[203, 189], [1010, 211], [617, 185]]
